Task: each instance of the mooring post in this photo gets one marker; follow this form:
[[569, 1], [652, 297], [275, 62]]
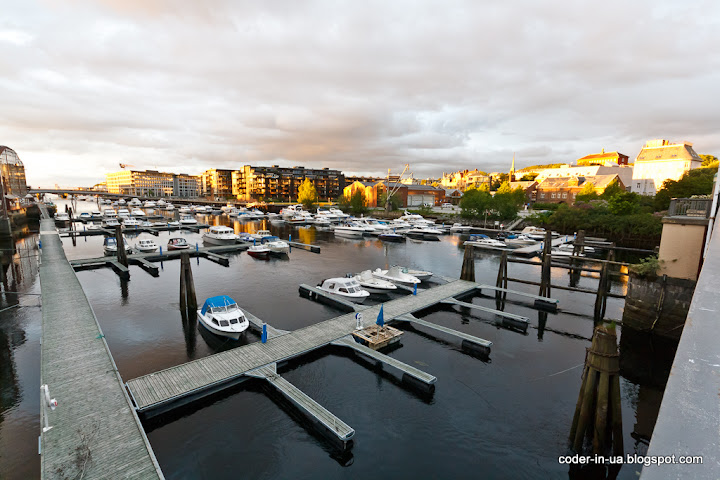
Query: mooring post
[[578, 247], [545, 271], [600, 391], [502, 277], [120, 241], [187, 285], [467, 272], [184, 260]]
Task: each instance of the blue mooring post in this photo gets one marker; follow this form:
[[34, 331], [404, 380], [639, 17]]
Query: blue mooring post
[[39, 243], [415, 289], [263, 338], [161, 251], [289, 245], [197, 248]]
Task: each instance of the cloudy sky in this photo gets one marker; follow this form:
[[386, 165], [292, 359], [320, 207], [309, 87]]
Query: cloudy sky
[[363, 86]]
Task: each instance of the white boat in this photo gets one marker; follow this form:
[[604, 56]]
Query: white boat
[[169, 207], [159, 223], [259, 235], [110, 222], [347, 288], [352, 230], [177, 243], [146, 245], [146, 223], [536, 233], [109, 213], [338, 213], [396, 275], [460, 228], [187, 220], [373, 284], [62, 217], [569, 247], [135, 202], [276, 246], [110, 246], [259, 251], [563, 255], [481, 240], [173, 224], [518, 241], [373, 226], [131, 222], [85, 216], [326, 215], [93, 226], [123, 212], [415, 219], [150, 204], [322, 222], [161, 203], [220, 235], [96, 215], [420, 274], [121, 201], [222, 316], [138, 213], [424, 233], [184, 209], [290, 211]]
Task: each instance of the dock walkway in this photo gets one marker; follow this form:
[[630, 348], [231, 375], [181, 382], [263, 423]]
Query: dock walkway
[[169, 385], [94, 432]]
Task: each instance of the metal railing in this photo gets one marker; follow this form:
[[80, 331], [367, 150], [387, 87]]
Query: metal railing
[[690, 207]]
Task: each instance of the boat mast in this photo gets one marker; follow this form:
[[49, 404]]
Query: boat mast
[[390, 193]]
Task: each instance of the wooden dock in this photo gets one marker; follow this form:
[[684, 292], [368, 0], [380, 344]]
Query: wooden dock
[[191, 379], [94, 432]]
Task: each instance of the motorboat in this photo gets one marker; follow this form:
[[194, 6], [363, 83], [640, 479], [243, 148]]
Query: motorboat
[[338, 213], [347, 288], [159, 223], [395, 274], [93, 226], [110, 222], [62, 217], [220, 235], [109, 213], [260, 235], [424, 233], [138, 213], [146, 223], [177, 243], [460, 228], [183, 209], [322, 222], [131, 222], [518, 241], [392, 237], [569, 247], [123, 212], [85, 216], [96, 215], [110, 246], [169, 207], [161, 203], [135, 202], [150, 204], [290, 211], [373, 227], [173, 224], [415, 219], [482, 241], [188, 220], [146, 245], [536, 233], [351, 230], [419, 274], [326, 215], [563, 255], [259, 251], [222, 316], [373, 284], [276, 246]]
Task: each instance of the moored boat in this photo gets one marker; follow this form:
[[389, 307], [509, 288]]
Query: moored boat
[[146, 245], [373, 284], [110, 246], [259, 251], [220, 235], [222, 316], [177, 243], [347, 288], [395, 274], [481, 240]]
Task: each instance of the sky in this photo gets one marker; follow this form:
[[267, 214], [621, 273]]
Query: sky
[[361, 86]]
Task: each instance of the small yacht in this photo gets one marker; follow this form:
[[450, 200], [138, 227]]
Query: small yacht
[[150, 204], [351, 230], [62, 217], [563, 255], [259, 251], [569, 247], [424, 233], [392, 237], [169, 207], [138, 213], [419, 274], [518, 241], [260, 235], [220, 235], [276, 246], [96, 215], [347, 288], [93, 226], [373, 284], [184, 209], [536, 233], [146, 245], [135, 202], [322, 222], [481, 240], [187, 220], [177, 243], [290, 211], [130, 222], [121, 201], [110, 222], [123, 212], [159, 223], [222, 316], [173, 224], [339, 214], [161, 203], [460, 228], [396, 275], [372, 226], [85, 216], [109, 213], [110, 246]]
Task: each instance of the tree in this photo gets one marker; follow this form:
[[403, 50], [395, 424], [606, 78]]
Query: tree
[[474, 202], [529, 177], [357, 203], [307, 195], [624, 203], [697, 181], [497, 181], [708, 159], [394, 200], [507, 201], [587, 193], [611, 190]]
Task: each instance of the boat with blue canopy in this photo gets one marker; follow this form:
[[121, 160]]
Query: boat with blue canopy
[[222, 316]]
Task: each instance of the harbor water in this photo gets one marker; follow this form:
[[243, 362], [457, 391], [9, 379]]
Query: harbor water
[[506, 417]]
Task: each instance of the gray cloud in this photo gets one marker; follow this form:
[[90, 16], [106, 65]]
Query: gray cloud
[[360, 86]]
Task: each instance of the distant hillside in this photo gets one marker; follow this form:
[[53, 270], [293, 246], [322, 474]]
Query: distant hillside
[[541, 167]]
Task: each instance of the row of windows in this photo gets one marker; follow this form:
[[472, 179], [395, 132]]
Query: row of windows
[[558, 195]]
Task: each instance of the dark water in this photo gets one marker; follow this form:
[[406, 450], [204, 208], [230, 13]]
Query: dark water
[[508, 417]]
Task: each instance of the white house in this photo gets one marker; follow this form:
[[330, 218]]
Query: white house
[[660, 160]]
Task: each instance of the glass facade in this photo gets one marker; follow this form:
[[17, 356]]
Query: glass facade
[[13, 173]]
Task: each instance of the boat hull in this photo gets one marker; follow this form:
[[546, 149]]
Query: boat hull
[[345, 297], [222, 333], [391, 238], [218, 241], [260, 255]]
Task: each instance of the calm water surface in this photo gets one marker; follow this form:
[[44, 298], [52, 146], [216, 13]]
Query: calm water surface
[[508, 417]]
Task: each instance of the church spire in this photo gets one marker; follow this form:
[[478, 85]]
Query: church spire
[[512, 169]]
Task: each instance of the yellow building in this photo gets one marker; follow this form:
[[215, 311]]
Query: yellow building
[[151, 183]]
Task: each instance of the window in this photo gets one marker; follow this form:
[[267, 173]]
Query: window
[[638, 185], [343, 290], [233, 321], [224, 323], [564, 195], [542, 195], [553, 195]]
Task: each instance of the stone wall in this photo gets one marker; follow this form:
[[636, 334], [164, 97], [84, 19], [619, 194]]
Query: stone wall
[[659, 301]]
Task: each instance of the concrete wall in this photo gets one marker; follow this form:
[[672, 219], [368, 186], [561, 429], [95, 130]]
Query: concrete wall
[[681, 246]]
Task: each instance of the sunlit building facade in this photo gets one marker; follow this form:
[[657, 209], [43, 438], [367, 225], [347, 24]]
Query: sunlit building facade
[[660, 160], [13, 173], [151, 183], [280, 183]]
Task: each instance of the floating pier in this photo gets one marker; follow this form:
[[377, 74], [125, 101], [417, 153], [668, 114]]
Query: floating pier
[[376, 337], [94, 431]]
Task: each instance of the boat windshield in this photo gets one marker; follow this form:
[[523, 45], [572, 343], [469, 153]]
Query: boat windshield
[[224, 323], [233, 321]]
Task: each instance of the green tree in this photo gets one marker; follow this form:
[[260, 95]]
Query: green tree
[[624, 203], [357, 203], [611, 190], [499, 180], [474, 202], [529, 177], [507, 201], [395, 201], [697, 181], [708, 159], [307, 195], [587, 193]]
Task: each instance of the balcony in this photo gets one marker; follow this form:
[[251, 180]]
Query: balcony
[[690, 207]]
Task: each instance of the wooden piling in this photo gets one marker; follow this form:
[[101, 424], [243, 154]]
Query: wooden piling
[[468, 266], [597, 413], [545, 272], [502, 281], [121, 253], [188, 299]]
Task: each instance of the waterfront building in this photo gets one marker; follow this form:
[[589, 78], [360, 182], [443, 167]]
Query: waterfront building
[[369, 191], [565, 189], [464, 179], [625, 172], [14, 185], [217, 183], [658, 161], [529, 187], [282, 184], [603, 159], [151, 183]]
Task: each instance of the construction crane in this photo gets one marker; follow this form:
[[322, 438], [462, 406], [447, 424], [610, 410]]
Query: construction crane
[[125, 165], [392, 192]]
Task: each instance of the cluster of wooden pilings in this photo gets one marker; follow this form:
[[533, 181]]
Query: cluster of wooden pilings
[[598, 411], [188, 299]]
